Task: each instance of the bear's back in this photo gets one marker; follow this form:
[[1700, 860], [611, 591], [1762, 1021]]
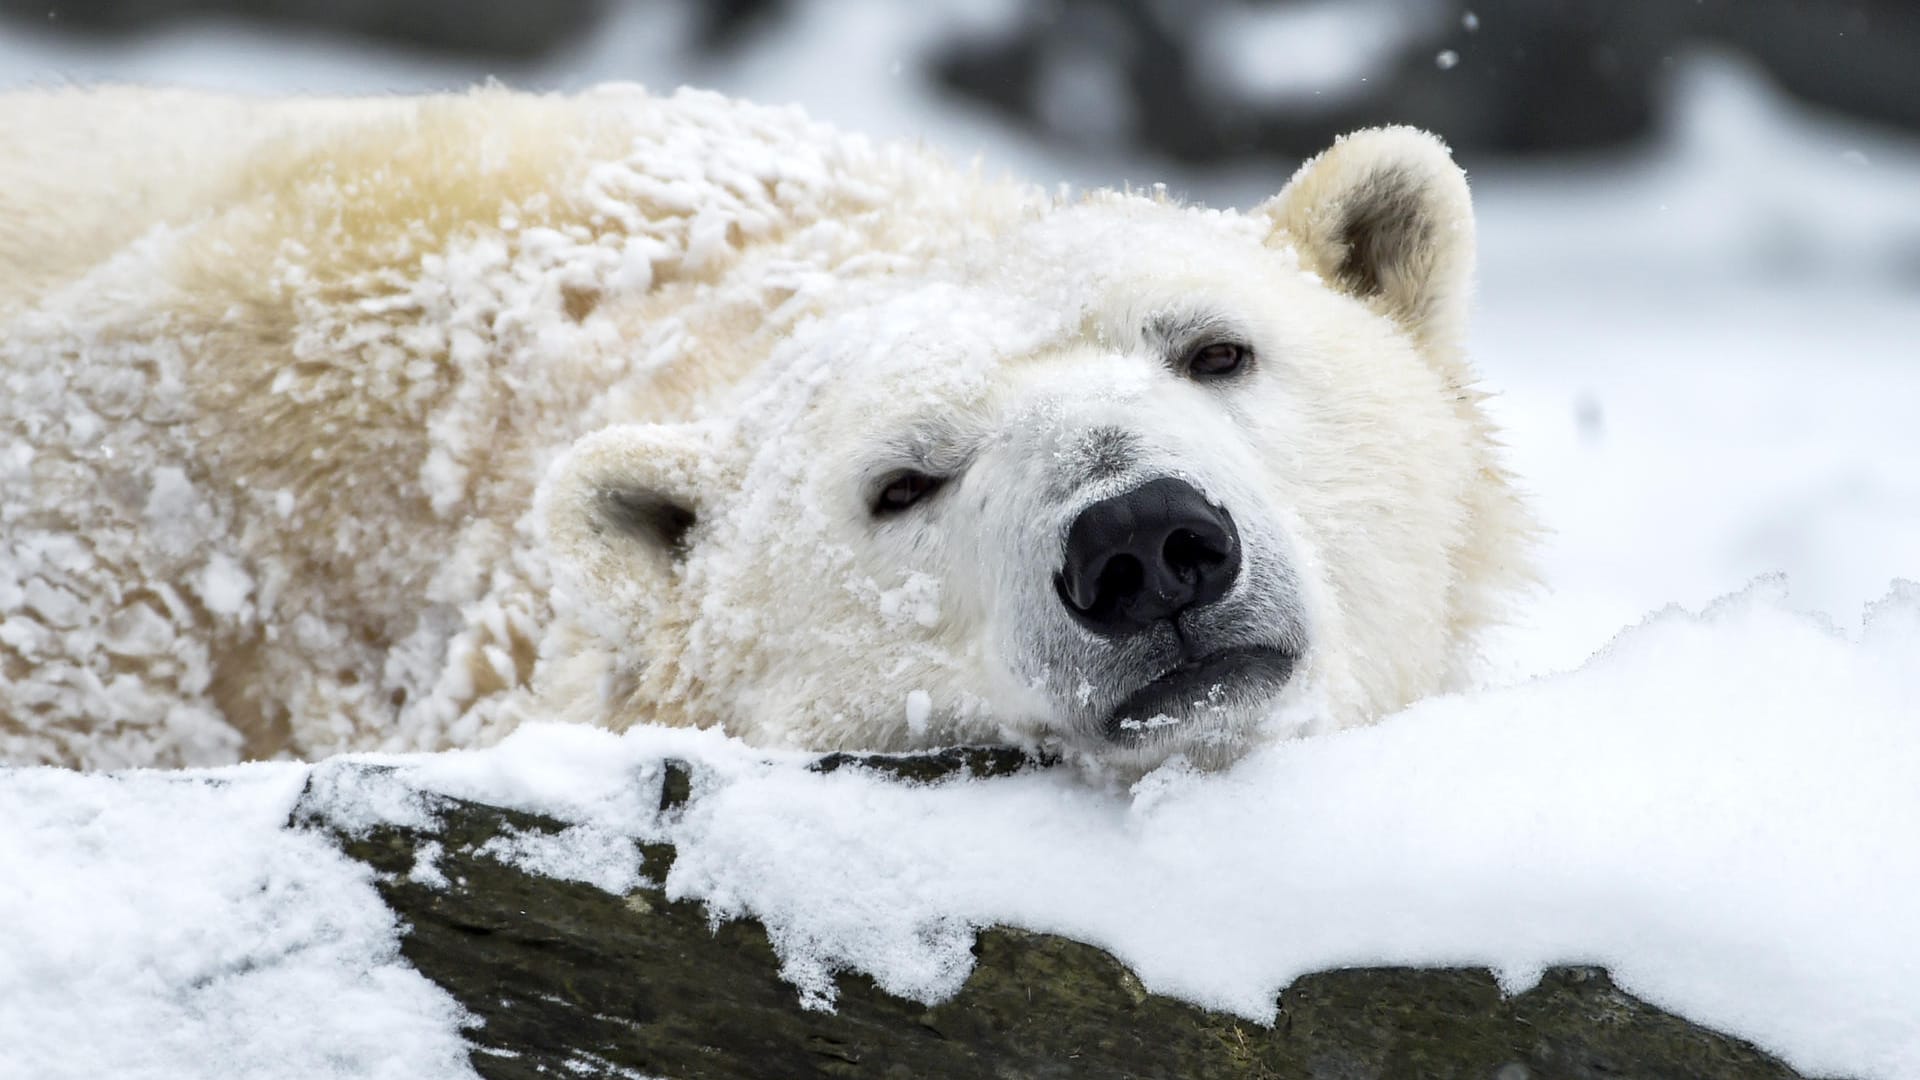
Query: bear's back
[[86, 171], [287, 372]]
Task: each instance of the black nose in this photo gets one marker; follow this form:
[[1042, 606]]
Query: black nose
[[1147, 555]]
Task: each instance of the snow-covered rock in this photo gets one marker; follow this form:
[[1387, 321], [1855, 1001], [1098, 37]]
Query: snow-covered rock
[[1718, 810]]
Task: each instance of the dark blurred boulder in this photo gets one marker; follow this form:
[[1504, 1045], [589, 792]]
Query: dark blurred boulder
[[565, 979], [509, 29], [1500, 76], [505, 28], [1506, 76], [1861, 57]]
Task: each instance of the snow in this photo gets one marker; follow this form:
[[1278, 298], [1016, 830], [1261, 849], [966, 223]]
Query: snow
[[1718, 808], [225, 585], [586, 853], [1628, 814], [1705, 355], [919, 710], [165, 925], [1704, 371]]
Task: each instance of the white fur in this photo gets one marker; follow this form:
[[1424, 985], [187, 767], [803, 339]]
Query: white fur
[[278, 381]]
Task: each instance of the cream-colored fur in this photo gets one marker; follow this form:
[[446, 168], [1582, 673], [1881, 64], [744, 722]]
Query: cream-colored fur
[[279, 379]]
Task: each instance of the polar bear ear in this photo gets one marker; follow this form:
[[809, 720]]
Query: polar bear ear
[[1384, 216], [616, 513]]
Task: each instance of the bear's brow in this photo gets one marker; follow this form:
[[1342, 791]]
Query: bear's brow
[[932, 446], [1173, 333]]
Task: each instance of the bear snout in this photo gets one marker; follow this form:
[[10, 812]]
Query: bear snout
[[1147, 555]]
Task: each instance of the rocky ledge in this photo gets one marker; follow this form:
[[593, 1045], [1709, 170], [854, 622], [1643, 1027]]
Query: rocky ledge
[[565, 979]]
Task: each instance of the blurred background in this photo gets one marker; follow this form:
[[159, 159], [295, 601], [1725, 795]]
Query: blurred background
[[1700, 219]]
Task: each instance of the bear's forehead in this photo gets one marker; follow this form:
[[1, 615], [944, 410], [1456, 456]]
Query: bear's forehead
[[1066, 273], [1104, 273], [1090, 246], [1106, 270]]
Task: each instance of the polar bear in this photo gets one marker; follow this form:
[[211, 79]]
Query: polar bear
[[391, 424]]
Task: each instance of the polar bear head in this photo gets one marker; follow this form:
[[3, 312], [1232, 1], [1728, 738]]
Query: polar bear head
[[1130, 478]]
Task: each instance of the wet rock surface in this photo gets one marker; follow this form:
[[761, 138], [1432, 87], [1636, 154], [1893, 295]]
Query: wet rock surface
[[566, 979]]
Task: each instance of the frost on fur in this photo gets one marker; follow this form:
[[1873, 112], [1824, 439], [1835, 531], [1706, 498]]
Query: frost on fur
[[808, 420]]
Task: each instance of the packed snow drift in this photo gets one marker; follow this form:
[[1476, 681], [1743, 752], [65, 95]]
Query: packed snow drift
[[1718, 808]]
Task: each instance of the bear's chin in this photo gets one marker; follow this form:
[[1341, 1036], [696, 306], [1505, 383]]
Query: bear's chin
[[1207, 703]]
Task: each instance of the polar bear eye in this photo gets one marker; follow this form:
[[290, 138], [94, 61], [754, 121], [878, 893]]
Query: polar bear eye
[[1216, 359], [902, 490]]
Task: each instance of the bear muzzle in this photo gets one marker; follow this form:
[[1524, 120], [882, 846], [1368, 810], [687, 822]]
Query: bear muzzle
[[1139, 571]]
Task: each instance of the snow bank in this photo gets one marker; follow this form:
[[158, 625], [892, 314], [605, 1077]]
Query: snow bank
[[1720, 809], [160, 926]]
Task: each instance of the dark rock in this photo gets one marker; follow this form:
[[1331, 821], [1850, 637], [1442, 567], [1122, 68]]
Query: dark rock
[[1525, 76], [974, 761], [568, 980], [504, 28]]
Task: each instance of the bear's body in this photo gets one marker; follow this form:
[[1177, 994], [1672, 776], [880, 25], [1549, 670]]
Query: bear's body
[[279, 383]]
